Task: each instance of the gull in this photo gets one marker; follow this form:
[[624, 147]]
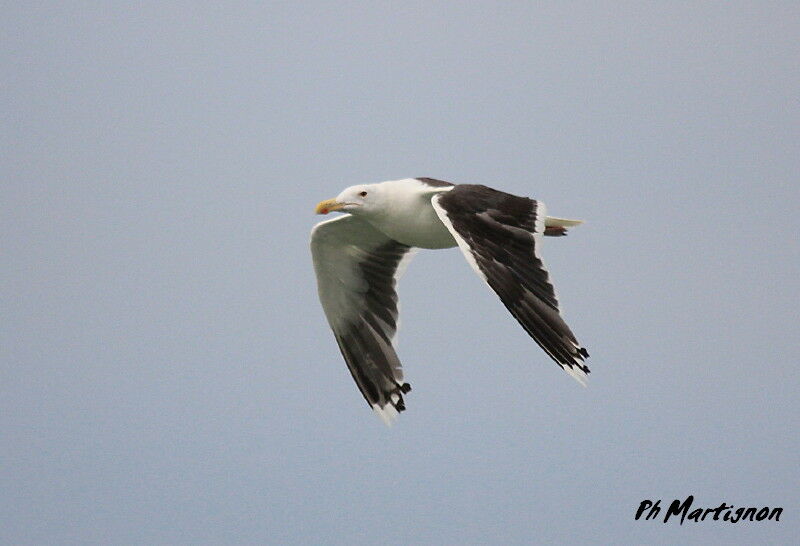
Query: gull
[[358, 258]]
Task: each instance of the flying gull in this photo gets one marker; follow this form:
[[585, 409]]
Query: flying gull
[[358, 258]]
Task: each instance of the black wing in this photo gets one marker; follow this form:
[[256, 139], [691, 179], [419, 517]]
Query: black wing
[[357, 267], [500, 235]]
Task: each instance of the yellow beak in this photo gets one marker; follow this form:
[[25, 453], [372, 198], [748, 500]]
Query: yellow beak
[[329, 205]]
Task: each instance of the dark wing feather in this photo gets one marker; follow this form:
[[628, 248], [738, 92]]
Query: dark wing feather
[[357, 267], [500, 234]]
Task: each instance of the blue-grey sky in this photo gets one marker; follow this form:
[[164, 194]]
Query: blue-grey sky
[[166, 372]]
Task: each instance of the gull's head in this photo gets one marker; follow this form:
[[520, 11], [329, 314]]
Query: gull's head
[[355, 199]]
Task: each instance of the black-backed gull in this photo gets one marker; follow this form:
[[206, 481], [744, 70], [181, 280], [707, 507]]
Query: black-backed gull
[[358, 258]]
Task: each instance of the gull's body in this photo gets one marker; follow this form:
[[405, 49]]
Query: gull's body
[[411, 219], [359, 257]]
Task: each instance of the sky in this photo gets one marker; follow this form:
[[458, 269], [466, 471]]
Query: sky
[[167, 375]]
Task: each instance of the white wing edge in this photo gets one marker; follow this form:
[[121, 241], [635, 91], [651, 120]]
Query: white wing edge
[[462, 244], [388, 414]]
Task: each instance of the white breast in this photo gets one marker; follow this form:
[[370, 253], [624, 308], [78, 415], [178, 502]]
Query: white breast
[[411, 219], [422, 229]]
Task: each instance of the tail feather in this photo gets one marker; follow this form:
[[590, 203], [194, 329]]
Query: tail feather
[[557, 227]]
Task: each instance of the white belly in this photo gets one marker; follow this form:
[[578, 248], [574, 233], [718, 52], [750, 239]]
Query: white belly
[[419, 227]]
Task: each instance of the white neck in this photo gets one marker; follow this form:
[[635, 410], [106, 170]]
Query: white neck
[[409, 216]]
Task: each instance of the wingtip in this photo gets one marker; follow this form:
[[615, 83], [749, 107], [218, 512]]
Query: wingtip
[[388, 414], [578, 373]]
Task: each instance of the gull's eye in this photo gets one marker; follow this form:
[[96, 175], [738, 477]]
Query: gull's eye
[[363, 194]]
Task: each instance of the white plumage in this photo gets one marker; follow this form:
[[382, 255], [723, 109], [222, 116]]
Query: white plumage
[[359, 257]]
